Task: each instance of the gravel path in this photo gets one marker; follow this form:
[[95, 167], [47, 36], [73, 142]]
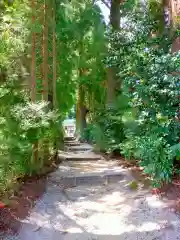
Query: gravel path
[[109, 211]]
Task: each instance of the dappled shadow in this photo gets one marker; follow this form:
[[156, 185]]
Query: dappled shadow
[[84, 167], [98, 212], [52, 229], [54, 234], [171, 195], [169, 192], [111, 210]]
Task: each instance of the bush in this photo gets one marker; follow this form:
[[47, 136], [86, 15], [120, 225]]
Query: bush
[[23, 125], [148, 127], [156, 158], [88, 134]]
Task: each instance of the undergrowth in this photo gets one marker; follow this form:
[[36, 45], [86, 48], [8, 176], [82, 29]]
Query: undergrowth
[[144, 121]]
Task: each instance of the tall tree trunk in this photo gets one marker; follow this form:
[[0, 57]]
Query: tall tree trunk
[[77, 111], [115, 14], [54, 69], [174, 7], [81, 109], [172, 15], [45, 80], [33, 73], [112, 71], [45, 53], [51, 46], [33, 57], [54, 54]]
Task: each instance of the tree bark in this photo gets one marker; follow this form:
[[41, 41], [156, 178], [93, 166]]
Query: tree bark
[[33, 74], [112, 71], [33, 57], [83, 118], [54, 54], [45, 53], [174, 7], [115, 14], [81, 109]]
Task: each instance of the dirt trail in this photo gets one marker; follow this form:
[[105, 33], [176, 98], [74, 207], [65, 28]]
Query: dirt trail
[[88, 198]]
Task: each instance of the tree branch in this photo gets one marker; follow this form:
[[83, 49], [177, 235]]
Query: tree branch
[[106, 3]]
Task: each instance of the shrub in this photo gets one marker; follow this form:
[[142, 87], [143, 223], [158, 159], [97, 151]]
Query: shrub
[[146, 69], [23, 124]]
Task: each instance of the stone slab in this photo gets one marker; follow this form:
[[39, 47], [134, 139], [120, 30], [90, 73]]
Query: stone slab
[[88, 180], [69, 138], [71, 173], [72, 143], [81, 147], [88, 156], [112, 212]]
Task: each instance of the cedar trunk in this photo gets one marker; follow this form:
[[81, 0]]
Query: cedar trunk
[[81, 110], [33, 57], [33, 73], [54, 54], [112, 71], [45, 54]]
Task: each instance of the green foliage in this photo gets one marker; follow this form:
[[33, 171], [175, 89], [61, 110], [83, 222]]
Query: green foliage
[[88, 134], [112, 129], [80, 51], [142, 123], [154, 153], [111, 122], [22, 124], [80, 44], [176, 151], [146, 72]]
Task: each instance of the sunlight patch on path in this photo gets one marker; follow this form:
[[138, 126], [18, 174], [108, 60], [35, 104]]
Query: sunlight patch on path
[[108, 211]]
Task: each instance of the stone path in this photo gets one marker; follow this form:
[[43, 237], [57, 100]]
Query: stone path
[[100, 207]]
